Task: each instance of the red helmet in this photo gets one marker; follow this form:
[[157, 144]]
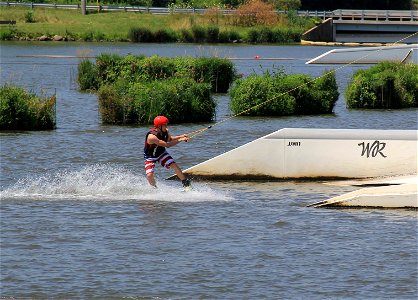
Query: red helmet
[[160, 120]]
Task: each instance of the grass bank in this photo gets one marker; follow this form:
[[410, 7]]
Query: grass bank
[[116, 26]]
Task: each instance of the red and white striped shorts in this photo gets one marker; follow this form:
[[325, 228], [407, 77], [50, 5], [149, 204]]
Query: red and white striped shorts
[[164, 159]]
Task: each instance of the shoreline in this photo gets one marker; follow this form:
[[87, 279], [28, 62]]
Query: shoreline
[[347, 44], [58, 38]]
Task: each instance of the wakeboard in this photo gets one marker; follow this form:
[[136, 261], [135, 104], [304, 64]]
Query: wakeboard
[[187, 189]]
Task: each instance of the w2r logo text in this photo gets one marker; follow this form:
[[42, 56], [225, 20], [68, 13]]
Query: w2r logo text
[[372, 149]]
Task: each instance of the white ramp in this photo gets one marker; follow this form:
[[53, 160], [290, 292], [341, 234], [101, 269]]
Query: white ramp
[[295, 153], [369, 55], [395, 193]]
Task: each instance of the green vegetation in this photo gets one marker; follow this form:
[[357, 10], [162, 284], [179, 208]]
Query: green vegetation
[[279, 94], [212, 34], [279, 4], [134, 89], [109, 68], [171, 3], [273, 35], [180, 99], [386, 85], [21, 110], [145, 35], [211, 27], [87, 75]]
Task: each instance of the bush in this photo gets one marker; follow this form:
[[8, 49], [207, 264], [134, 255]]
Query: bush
[[265, 35], [140, 35], [110, 67], [8, 34], [165, 36], [20, 110], [252, 36], [87, 36], [229, 36], [199, 34], [99, 36], [145, 35], [279, 94], [212, 34], [249, 95], [29, 17], [326, 89], [209, 34], [180, 99], [276, 35], [157, 67], [186, 36], [217, 71], [316, 97], [255, 12], [287, 35], [386, 85], [115, 106], [87, 75], [132, 68]]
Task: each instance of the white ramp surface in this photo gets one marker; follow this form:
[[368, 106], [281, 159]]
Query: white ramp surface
[[293, 153]]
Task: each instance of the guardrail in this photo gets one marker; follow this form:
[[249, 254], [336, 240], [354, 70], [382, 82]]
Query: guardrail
[[153, 10], [339, 14], [376, 15]]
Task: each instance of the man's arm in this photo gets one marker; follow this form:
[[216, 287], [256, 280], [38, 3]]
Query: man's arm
[[152, 139], [181, 138]]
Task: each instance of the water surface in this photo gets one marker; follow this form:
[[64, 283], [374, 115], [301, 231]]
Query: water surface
[[78, 219]]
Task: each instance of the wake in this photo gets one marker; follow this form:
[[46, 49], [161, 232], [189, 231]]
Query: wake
[[106, 183]]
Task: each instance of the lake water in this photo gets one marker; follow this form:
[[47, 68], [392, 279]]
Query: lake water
[[78, 219]]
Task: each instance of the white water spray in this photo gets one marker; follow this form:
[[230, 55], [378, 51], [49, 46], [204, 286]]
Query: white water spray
[[106, 183]]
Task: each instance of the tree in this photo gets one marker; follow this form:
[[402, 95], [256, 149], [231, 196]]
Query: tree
[[232, 3], [162, 3], [355, 4], [288, 4], [255, 12]]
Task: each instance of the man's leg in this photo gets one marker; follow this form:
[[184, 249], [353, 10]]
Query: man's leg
[[149, 170], [168, 162], [178, 171], [180, 174], [151, 179]]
